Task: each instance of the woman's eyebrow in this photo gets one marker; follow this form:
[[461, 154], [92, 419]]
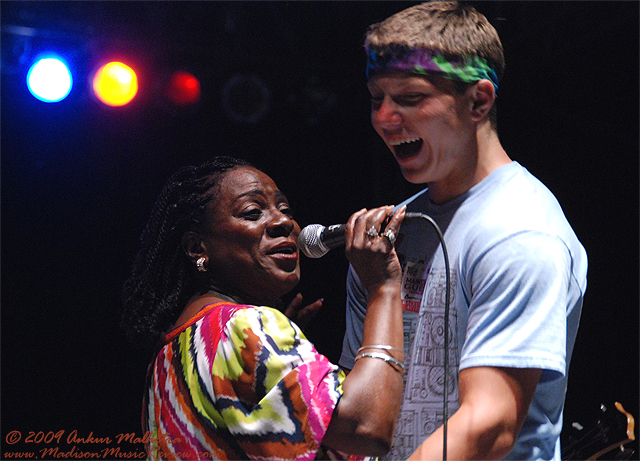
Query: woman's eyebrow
[[259, 192]]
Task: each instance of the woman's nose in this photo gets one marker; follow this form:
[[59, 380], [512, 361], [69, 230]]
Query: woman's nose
[[281, 225]]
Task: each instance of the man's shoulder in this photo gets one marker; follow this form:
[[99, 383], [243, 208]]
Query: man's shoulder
[[513, 197]]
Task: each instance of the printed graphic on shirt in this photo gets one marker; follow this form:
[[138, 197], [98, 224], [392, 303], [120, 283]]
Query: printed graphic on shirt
[[414, 278], [422, 408]]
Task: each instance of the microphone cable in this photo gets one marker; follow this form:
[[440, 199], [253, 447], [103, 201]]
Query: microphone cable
[[447, 302]]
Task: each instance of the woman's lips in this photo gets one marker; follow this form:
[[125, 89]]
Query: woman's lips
[[285, 251]]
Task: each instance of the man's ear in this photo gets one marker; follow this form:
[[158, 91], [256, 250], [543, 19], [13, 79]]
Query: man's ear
[[483, 95], [193, 246]]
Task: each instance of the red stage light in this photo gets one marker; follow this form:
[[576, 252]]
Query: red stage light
[[183, 88]]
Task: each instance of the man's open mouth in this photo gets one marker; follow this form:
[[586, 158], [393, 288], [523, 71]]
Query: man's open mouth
[[407, 148]]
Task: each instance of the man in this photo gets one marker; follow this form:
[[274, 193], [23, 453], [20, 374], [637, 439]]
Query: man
[[517, 271]]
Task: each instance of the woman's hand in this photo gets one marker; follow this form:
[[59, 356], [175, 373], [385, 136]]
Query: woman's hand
[[302, 315], [370, 245]]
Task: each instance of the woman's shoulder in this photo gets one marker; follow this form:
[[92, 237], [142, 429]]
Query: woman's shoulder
[[213, 312], [242, 316], [230, 316]]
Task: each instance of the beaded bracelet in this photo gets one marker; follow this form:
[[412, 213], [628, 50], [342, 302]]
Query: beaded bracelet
[[396, 364]]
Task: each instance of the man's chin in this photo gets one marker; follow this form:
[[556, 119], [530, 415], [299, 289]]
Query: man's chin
[[414, 176]]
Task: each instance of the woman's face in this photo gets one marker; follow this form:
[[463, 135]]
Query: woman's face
[[251, 238]]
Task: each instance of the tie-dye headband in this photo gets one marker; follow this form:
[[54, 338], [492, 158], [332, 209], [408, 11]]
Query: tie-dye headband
[[425, 62]]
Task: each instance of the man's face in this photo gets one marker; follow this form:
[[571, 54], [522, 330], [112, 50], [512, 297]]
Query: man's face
[[424, 122]]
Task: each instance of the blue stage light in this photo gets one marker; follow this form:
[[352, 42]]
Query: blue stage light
[[49, 79]]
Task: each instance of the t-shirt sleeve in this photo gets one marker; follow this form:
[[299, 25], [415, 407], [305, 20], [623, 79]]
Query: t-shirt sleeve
[[357, 301], [518, 293], [275, 393]]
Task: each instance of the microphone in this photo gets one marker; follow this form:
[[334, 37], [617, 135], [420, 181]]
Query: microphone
[[316, 240]]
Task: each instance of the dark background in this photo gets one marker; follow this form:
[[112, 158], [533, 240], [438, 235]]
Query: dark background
[[79, 178]]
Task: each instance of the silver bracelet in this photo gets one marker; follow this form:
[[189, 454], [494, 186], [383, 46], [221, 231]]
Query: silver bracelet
[[381, 346], [396, 364]]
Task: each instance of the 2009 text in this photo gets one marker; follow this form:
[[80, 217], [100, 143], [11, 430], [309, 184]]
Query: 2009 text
[[62, 444]]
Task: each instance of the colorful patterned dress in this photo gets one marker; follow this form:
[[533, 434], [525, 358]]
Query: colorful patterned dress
[[239, 382]]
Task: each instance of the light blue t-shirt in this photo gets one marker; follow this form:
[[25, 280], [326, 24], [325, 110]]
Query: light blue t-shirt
[[518, 276]]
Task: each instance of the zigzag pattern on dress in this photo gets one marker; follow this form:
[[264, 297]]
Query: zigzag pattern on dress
[[239, 382]]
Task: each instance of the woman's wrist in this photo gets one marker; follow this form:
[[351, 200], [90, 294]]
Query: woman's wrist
[[389, 288]]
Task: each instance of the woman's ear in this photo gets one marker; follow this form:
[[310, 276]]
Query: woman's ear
[[193, 246], [483, 95]]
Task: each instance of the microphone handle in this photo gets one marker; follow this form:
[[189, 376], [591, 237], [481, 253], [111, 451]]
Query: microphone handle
[[333, 236]]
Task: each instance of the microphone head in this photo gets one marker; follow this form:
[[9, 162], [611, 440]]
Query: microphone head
[[310, 243]]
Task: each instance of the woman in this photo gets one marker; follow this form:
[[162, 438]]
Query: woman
[[234, 378]]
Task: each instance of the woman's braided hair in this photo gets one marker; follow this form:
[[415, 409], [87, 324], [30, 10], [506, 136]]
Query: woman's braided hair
[[162, 278]]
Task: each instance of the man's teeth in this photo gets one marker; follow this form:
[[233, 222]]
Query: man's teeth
[[404, 141]]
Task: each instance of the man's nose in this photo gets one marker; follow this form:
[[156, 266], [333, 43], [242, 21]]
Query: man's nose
[[386, 115]]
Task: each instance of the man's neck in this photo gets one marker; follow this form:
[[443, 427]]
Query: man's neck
[[488, 156]]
